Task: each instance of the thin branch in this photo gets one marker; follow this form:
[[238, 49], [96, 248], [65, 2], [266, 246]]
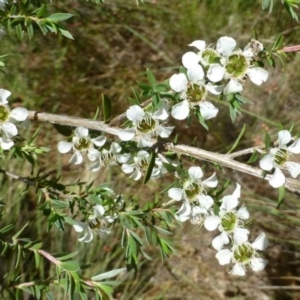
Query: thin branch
[[222, 159], [244, 152]]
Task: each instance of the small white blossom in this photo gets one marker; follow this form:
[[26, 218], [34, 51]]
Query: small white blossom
[[278, 158], [146, 125], [96, 224], [81, 144], [235, 65], [111, 157], [230, 221], [194, 189], [140, 165], [9, 118], [193, 92], [243, 254]]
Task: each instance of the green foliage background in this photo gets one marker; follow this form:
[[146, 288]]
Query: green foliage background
[[114, 44]]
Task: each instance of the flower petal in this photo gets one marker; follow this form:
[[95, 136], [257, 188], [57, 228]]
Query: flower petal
[[258, 264], [293, 168], [181, 110], [238, 270], [5, 143], [64, 147], [233, 86], [284, 137], [215, 72], [195, 73], [99, 210], [19, 114], [199, 44], [211, 182], [135, 113], [178, 82], [81, 132], [189, 59], [126, 134], [243, 213], [76, 158], [4, 94], [240, 235], [261, 242], [225, 45], [212, 222], [219, 241], [267, 162], [278, 179], [295, 147], [205, 201], [224, 257], [195, 173], [9, 129], [257, 75], [214, 89], [99, 141], [175, 193], [184, 212], [208, 110]]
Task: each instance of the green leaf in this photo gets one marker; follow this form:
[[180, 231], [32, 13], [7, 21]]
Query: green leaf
[[71, 265], [281, 194], [63, 130], [58, 17], [65, 32], [253, 158], [107, 275], [265, 4], [238, 138], [151, 78], [150, 168], [267, 141], [106, 108], [19, 31]]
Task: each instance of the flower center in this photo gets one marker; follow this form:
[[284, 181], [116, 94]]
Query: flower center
[[4, 113], [192, 190], [109, 159], [229, 221], [95, 223], [146, 125], [82, 143], [237, 65], [281, 156], [243, 253], [210, 56], [198, 219], [195, 93]]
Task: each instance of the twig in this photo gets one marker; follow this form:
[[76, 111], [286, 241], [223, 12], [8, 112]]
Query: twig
[[222, 159], [244, 152]]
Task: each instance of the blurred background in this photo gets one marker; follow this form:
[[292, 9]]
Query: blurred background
[[114, 44]]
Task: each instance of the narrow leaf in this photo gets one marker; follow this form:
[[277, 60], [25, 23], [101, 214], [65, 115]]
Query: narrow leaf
[[106, 108], [238, 138], [109, 274], [150, 168]]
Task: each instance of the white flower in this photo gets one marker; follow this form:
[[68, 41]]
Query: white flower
[[278, 158], [196, 214], [193, 91], [2, 3], [253, 48], [82, 143], [96, 224], [111, 157], [146, 125], [193, 188], [207, 55], [235, 65], [8, 118], [243, 254], [6, 143], [230, 221]]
